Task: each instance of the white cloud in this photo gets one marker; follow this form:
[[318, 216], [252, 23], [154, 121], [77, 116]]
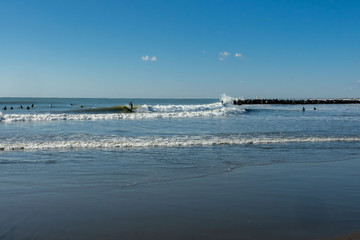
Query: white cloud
[[224, 54], [238, 55], [148, 58]]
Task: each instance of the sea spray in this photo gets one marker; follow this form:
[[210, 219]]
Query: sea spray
[[225, 99]]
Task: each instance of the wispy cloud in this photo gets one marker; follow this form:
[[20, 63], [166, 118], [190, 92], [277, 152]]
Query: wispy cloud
[[238, 55], [223, 55], [148, 58]]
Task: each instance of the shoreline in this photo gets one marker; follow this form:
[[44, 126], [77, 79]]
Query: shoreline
[[351, 236], [295, 102]]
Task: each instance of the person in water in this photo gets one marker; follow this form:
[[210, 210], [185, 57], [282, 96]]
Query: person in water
[[5, 108], [131, 106], [303, 109]]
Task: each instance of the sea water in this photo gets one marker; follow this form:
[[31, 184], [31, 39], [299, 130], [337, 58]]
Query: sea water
[[177, 169]]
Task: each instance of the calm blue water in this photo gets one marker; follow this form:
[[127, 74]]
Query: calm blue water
[[177, 168]]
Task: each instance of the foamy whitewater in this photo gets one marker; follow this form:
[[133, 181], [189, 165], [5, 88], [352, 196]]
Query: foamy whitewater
[[169, 123], [177, 169], [144, 112]]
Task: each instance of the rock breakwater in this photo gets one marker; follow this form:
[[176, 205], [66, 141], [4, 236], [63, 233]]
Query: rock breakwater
[[296, 101]]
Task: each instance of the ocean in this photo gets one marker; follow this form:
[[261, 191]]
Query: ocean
[[177, 169]]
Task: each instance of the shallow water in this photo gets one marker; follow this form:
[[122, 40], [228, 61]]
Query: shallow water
[[178, 169]]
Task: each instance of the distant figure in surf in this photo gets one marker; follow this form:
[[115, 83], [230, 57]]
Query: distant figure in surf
[[11, 108], [32, 105], [28, 108], [51, 106], [314, 108], [21, 106], [303, 109], [131, 106], [5, 108]]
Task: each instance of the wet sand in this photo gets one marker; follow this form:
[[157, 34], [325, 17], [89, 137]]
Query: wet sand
[[278, 201], [352, 236]]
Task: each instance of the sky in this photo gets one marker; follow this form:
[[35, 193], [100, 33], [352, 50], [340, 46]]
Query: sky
[[180, 49]]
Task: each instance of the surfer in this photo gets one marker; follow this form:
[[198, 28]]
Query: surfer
[[131, 106], [5, 108], [303, 109]]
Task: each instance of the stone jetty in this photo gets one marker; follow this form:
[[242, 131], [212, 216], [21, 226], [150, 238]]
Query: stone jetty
[[295, 101]]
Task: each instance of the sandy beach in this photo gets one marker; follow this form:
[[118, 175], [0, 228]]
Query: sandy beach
[[351, 236]]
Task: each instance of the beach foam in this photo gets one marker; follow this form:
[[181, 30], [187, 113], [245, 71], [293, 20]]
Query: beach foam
[[159, 142]]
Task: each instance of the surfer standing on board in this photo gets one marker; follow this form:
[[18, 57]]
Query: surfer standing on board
[[131, 106]]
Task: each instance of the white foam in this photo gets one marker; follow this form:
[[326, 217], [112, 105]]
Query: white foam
[[154, 142], [145, 112], [225, 99], [186, 108]]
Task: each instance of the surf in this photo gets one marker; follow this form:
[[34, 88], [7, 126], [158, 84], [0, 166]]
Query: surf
[[113, 109], [94, 142], [123, 112]]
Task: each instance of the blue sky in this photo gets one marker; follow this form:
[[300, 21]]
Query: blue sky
[[180, 49]]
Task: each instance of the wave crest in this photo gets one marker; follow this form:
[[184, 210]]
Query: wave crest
[[144, 112], [161, 142]]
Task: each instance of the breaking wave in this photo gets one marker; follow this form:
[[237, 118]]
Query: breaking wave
[[143, 112], [163, 142]]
